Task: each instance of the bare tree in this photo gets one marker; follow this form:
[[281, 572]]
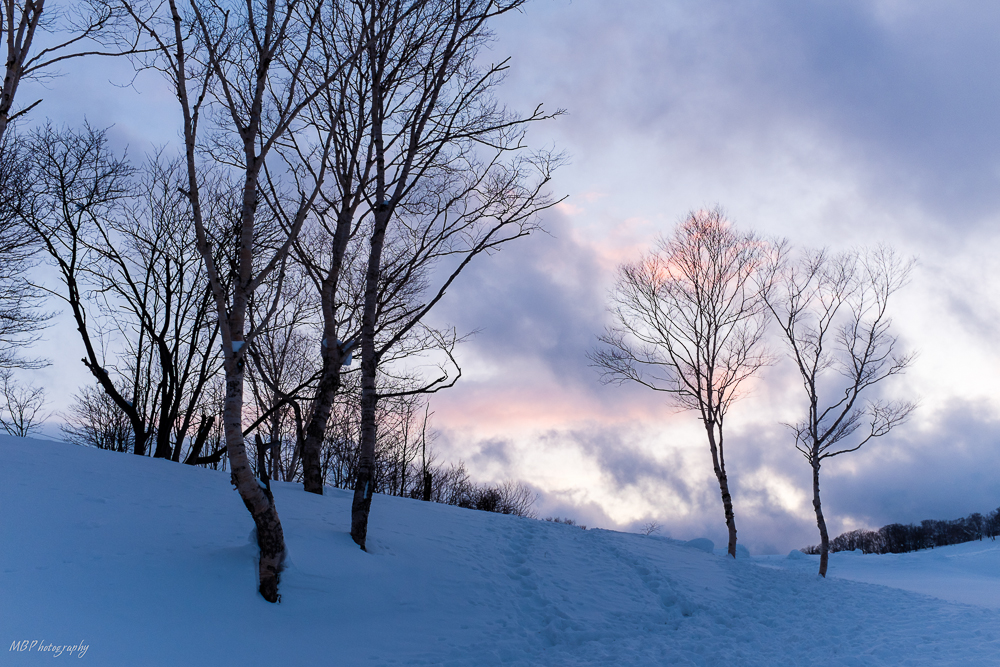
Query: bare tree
[[94, 420], [131, 277], [152, 285], [23, 406], [449, 183], [21, 319], [81, 29], [335, 250], [338, 111], [282, 374], [37, 37], [247, 71], [833, 314], [75, 181], [691, 318]]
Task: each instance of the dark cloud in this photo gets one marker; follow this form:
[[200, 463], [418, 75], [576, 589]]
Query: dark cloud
[[942, 471], [490, 452], [539, 298], [629, 465]]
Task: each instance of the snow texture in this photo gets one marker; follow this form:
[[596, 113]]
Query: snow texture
[[148, 562]]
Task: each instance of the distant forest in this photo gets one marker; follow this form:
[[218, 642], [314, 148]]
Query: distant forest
[[897, 538]]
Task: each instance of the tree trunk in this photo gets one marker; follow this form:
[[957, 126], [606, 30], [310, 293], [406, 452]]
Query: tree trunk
[[719, 464], [369, 397], [259, 501], [276, 459], [139, 448], [824, 537], [333, 359], [163, 449], [361, 506], [312, 470], [199, 441], [427, 486], [727, 504]]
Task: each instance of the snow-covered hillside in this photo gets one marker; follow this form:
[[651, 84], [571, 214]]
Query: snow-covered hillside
[[147, 562]]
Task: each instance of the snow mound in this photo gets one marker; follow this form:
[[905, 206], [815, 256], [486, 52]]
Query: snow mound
[[741, 551], [146, 562], [702, 544]]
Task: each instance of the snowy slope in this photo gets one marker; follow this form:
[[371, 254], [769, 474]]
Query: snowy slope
[[148, 562], [968, 573]]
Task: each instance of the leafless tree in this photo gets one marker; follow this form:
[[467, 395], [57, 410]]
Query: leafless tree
[[243, 73], [833, 314], [281, 375], [136, 287], [691, 317], [76, 29], [449, 182], [23, 406], [339, 112], [38, 37], [74, 181], [335, 250], [94, 420], [21, 319], [150, 271]]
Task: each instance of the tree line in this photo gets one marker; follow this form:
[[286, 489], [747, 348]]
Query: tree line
[[898, 538]]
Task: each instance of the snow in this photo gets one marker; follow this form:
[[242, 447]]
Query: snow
[[966, 573], [150, 562]]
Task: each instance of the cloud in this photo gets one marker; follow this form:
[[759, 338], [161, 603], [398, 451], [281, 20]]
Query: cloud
[[940, 471], [539, 298], [736, 102], [619, 478]]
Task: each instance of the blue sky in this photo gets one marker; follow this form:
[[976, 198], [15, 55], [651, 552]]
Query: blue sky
[[838, 123]]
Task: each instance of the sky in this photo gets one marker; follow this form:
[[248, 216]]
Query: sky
[[834, 124]]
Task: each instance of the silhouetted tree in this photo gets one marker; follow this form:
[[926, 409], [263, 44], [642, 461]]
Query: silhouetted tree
[[897, 538], [690, 320], [242, 74], [23, 406], [833, 314], [449, 183], [94, 420], [133, 281]]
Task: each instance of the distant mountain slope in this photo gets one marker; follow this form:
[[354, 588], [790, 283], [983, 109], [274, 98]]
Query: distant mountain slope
[[147, 562]]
